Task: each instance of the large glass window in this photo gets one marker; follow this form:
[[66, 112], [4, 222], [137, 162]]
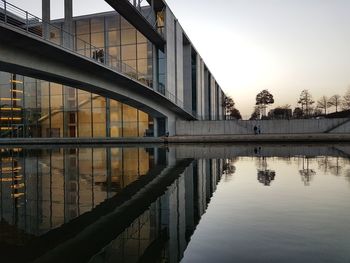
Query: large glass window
[[130, 125], [35, 108], [113, 40], [84, 113], [99, 116], [115, 119]]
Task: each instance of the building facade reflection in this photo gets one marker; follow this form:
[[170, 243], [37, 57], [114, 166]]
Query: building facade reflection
[[42, 189], [162, 233]]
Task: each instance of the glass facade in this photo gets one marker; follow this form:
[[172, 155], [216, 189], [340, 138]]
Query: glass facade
[[113, 35], [35, 108]]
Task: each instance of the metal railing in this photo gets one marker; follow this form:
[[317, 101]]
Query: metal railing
[[35, 26]]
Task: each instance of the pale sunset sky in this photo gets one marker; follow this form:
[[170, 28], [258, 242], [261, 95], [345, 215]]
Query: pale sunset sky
[[284, 46]]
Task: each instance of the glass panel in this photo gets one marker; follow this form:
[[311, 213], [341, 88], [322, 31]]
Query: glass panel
[[44, 120], [112, 23], [56, 110], [142, 66], [128, 52], [11, 105], [141, 38], [55, 34], [114, 52], [128, 36], [83, 42], [32, 107], [82, 27], [142, 51], [132, 66], [113, 38], [70, 112], [125, 24], [143, 124], [129, 121], [98, 40], [84, 113], [99, 116], [97, 24], [115, 118]]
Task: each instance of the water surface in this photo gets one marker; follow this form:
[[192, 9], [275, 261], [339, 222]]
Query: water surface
[[277, 203]]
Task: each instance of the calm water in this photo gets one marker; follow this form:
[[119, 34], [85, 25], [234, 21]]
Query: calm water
[[171, 204]]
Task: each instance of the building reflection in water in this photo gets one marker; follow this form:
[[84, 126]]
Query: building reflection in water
[[163, 231], [42, 190]]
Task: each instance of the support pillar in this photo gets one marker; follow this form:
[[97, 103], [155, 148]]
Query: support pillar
[[45, 7], [154, 68], [68, 24], [155, 127]]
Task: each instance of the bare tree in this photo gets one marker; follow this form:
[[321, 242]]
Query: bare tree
[[323, 104], [306, 102], [346, 100], [335, 101]]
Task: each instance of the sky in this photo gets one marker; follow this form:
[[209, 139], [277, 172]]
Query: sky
[[284, 46]]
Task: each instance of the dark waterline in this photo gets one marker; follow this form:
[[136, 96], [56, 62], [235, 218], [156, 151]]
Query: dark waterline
[[169, 204]]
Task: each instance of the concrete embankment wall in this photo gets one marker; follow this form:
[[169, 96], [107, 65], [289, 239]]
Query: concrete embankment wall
[[229, 127]]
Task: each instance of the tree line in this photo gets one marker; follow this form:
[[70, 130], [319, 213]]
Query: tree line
[[307, 106]]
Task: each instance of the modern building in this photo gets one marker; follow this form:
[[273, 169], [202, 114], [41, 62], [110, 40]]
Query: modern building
[[132, 72]]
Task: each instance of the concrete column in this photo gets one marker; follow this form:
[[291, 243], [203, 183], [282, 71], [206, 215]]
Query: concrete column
[[68, 24], [155, 127], [170, 125], [45, 6], [155, 67]]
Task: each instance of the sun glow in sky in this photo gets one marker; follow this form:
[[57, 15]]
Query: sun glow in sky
[[284, 46]]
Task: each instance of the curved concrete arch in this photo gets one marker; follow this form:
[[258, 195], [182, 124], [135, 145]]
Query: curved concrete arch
[[31, 56]]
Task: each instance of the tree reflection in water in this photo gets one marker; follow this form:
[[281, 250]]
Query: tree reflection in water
[[265, 176], [229, 169], [306, 173], [330, 164]]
